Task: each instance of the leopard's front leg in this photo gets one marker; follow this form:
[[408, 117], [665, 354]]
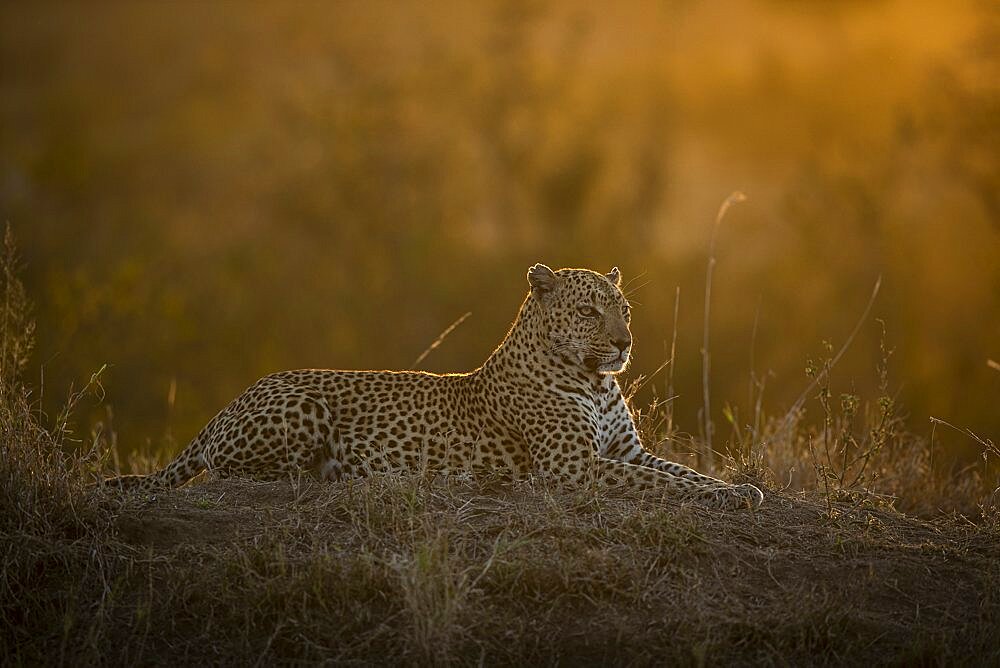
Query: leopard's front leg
[[620, 440], [570, 455], [614, 473], [636, 454]]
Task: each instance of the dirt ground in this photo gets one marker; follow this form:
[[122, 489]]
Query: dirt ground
[[414, 570]]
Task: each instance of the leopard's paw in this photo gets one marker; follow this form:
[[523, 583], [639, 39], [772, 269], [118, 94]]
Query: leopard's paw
[[731, 497], [752, 496]]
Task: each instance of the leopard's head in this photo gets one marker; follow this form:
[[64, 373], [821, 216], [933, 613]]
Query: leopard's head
[[585, 317]]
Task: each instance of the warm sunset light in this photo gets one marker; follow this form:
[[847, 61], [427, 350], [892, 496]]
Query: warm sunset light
[[802, 200]]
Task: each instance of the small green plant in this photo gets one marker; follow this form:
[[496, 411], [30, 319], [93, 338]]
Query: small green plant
[[851, 439]]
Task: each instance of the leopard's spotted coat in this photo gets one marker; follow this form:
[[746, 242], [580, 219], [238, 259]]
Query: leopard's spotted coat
[[547, 401]]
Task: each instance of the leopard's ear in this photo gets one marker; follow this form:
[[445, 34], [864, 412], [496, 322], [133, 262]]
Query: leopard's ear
[[615, 276], [541, 278]]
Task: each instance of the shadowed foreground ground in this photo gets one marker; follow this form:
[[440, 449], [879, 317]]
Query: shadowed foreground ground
[[411, 570]]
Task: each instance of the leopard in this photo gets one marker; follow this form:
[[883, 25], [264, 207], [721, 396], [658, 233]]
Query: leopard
[[547, 402]]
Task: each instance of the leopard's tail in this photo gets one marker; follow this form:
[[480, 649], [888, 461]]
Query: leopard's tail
[[189, 463]]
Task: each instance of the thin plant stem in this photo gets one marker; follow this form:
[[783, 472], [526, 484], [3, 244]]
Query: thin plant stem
[[706, 357], [670, 373], [438, 340], [797, 404]]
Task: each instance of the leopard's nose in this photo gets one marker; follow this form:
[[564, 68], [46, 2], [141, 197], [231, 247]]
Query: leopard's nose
[[622, 342]]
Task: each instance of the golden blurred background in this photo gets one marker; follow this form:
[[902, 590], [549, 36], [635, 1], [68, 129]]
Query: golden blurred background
[[205, 192]]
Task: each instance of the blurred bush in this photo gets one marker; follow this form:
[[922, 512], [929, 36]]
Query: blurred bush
[[207, 192]]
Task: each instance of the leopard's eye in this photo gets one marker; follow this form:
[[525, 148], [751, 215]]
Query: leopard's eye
[[587, 311]]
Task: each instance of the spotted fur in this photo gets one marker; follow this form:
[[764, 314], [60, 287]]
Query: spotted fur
[[547, 401]]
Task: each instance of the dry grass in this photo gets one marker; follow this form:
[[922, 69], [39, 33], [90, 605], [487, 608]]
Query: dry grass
[[441, 571], [438, 572]]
